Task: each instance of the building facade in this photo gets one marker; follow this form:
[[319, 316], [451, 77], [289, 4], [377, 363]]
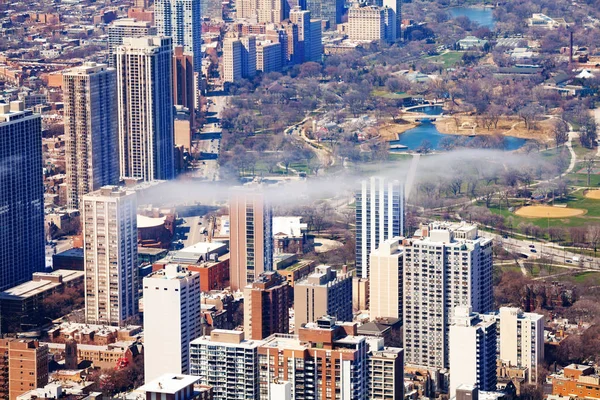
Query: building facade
[[520, 338], [23, 366], [232, 59], [326, 360], [145, 104], [385, 377], [386, 280], [182, 21], [171, 320], [226, 362], [21, 195], [366, 23], [250, 244], [268, 57], [379, 217], [122, 28], [448, 266], [91, 130], [394, 8], [472, 351], [184, 89], [330, 11], [324, 292], [110, 251], [266, 306]]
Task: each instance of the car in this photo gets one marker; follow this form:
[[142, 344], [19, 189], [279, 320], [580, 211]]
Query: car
[[569, 262], [590, 259], [532, 246], [533, 250], [504, 236]]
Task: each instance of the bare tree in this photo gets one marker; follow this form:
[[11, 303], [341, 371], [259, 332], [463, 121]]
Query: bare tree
[[561, 132], [593, 236]]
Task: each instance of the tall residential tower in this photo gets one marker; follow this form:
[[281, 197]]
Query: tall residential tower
[[21, 195], [110, 255], [181, 20], [90, 98], [379, 217], [250, 243], [145, 90]]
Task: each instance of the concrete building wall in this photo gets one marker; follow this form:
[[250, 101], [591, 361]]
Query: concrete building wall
[[386, 281]]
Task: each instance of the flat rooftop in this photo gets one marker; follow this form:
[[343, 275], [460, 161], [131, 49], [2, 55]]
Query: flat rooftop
[[75, 252], [33, 288], [169, 383]]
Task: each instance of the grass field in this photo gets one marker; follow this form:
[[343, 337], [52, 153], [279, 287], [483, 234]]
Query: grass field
[[581, 180], [389, 95], [449, 59]]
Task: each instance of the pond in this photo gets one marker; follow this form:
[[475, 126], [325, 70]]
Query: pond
[[484, 16], [413, 138]]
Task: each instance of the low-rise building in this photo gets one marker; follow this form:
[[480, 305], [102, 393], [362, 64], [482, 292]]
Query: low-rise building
[[21, 306], [577, 381], [173, 386], [100, 356]]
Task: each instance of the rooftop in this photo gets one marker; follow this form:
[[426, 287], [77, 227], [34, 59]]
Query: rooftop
[[35, 287], [75, 252], [149, 222], [169, 383]]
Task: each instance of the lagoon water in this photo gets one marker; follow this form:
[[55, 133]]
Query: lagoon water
[[483, 16], [428, 131]]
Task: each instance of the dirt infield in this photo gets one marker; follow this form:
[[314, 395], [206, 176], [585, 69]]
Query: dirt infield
[[548, 212], [593, 194]]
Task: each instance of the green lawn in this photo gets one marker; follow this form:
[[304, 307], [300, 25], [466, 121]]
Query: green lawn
[[581, 179], [449, 59], [388, 95], [586, 277]]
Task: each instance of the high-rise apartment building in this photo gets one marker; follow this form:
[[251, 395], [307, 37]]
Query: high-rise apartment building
[[91, 132], [278, 34], [145, 104], [122, 28], [184, 88], [250, 243], [520, 338], [266, 306], [110, 255], [171, 320], [379, 217], [228, 363], [326, 360], [329, 10], [472, 351], [446, 267], [271, 11], [246, 9], [23, 366], [324, 292], [239, 58], [248, 56], [315, 43], [386, 280], [268, 57], [366, 23], [21, 195], [385, 376], [182, 21], [232, 59], [301, 18], [394, 8]]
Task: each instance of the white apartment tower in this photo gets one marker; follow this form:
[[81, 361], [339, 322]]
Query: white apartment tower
[[379, 217], [21, 195], [171, 320], [145, 104], [92, 145], [228, 363], [110, 255], [122, 28], [385, 281], [520, 338], [239, 58], [472, 351], [182, 21], [447, 267], [232, 59], [366, 23]]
